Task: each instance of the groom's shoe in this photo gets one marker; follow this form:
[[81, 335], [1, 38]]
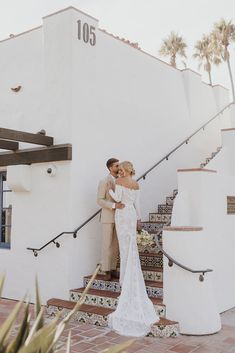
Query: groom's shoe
[[114, 274], [107, 276]]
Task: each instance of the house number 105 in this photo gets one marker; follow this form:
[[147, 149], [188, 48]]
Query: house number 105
[[86, 33]]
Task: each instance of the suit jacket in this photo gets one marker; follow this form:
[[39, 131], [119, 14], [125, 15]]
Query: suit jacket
[[105, 201]]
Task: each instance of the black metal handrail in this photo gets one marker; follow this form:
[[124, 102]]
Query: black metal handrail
[[35, 250], [166, 157], [143, 176], [172, 261]]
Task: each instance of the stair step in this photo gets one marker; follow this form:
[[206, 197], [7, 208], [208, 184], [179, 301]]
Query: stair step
[[160, 217], [154, 288], [149, 273], [109, 300], [165, 209], [90, 314]]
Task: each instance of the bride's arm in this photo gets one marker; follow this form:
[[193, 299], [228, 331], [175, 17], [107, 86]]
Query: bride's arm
[[137, 204], [117, 194], [137, 208]]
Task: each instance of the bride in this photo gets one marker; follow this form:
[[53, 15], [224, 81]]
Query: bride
[[135, 312]]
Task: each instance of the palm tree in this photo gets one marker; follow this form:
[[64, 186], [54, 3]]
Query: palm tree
[[205, 54], [222, 36], [172, 46]]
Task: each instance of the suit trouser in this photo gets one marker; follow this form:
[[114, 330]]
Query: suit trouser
[[110, 249]]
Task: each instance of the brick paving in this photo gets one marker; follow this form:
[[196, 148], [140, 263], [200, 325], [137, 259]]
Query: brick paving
[[90, 339]]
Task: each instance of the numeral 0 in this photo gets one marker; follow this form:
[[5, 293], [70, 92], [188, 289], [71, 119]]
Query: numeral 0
[[86, 33]]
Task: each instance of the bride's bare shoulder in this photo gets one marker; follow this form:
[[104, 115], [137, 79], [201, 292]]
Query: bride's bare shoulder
[[136, 185], [123, 182]]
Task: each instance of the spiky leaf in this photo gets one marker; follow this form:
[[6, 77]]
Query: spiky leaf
[[5, 328], [22, 334], [2, 279], [38, 306]]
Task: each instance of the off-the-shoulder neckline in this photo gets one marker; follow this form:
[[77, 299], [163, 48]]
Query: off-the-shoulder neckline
[[127, 187]]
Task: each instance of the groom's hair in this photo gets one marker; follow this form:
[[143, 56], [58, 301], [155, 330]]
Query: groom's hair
[[110, 162]]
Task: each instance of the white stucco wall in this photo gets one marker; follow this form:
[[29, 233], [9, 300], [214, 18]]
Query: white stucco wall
[[107, 100]]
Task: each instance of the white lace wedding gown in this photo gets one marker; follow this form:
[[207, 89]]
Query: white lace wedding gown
[[135, 312]]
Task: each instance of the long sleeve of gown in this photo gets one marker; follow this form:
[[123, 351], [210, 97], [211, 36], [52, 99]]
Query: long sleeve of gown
[[137, 204], [117, 194]]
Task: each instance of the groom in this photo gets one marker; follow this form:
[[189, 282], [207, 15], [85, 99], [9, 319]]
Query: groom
[[109, 248]]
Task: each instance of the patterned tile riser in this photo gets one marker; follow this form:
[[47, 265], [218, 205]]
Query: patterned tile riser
[[151, 275], [151, 261], [159, 217], [153, 292], [152, 227], [109, 303], [170, 200], [164, 209], [175, 192], [100, 320], [80, 316], [149, 249], [104, 302], [164, 331]]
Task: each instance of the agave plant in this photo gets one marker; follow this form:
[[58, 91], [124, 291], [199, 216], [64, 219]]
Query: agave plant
[[205, 54], [223, 35], [40, 337], [172, 46]]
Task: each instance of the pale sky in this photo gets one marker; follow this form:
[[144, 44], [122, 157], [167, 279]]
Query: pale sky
[[144, 21]]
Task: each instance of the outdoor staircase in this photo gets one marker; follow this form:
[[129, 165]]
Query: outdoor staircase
[[102, 298]]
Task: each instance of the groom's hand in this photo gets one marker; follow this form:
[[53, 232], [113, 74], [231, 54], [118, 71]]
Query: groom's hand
[[119, 205]]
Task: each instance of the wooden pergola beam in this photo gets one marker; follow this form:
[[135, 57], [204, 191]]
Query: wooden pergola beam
[[9, 145], [37, 155], [28, 137]]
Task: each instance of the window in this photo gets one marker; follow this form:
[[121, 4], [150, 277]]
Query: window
[[5, 215]]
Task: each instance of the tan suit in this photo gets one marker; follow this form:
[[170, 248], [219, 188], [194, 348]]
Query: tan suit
[[109, 249]]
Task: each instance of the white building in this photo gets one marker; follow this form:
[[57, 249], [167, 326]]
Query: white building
[[105, 98]]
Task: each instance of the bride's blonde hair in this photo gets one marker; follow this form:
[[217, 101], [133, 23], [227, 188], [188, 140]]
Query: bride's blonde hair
[[128, 167]]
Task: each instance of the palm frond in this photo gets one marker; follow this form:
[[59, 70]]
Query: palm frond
[[173, 46]]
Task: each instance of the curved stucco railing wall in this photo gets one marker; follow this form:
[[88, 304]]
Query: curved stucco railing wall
[[202, 200]]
